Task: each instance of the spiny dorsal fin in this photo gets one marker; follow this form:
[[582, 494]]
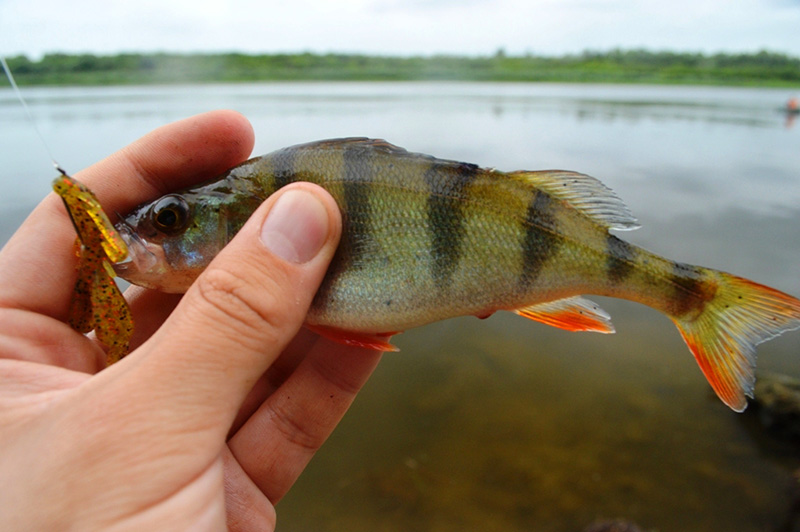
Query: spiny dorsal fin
[[586, 194], [571, 314], [355, 143]]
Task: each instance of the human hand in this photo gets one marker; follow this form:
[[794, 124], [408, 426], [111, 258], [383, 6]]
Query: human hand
[[221, 403]]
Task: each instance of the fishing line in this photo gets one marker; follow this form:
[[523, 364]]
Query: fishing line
[[18, 92]]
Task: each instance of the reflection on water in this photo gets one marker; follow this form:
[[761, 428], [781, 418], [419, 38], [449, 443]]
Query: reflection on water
[[511, 426], [505, 424]]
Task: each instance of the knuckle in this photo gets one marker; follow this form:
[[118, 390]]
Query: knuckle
[[301, 434], [231, 298], [336, 376]]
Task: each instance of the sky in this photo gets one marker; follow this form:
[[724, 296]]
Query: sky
[[397, 27]]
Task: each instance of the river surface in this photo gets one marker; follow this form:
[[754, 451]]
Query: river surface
[[505, 424]]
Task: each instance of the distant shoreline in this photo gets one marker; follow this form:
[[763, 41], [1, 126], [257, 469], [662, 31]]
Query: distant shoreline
[[762, 69]]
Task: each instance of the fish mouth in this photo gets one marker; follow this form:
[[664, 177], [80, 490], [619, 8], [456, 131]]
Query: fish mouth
[[142, 256], [147, 266]]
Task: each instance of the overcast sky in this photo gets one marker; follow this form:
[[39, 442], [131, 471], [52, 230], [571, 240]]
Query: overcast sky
[[398, 27]]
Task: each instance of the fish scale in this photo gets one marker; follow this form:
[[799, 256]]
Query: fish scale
[[425, 239]]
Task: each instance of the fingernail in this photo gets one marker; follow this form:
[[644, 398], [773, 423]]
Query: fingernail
[[297, 226]]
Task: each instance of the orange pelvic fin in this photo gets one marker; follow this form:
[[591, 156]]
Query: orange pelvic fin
[[571, 314], [376, 342], [723, 336]]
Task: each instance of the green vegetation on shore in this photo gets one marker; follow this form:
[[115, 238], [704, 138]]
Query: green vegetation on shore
[[616, 66]]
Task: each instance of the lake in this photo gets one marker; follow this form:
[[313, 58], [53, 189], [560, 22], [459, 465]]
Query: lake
[[505, 424]]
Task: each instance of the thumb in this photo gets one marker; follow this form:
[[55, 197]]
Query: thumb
[[242, 311]]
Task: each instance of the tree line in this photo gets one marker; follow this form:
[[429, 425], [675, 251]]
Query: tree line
[[616, 66]]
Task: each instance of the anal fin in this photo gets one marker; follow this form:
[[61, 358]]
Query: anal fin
[[571, 314]]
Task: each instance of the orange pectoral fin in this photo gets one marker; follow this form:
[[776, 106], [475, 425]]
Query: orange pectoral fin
[[571, 314], [375, 342]]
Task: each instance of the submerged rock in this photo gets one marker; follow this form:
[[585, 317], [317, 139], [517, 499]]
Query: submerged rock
[[617, 525], [777, 402]]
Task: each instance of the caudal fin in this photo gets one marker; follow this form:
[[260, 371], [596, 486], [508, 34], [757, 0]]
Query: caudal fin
[[722, 338]]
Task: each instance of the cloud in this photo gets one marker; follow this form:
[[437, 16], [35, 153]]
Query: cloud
[[398, 26], [406, 5]]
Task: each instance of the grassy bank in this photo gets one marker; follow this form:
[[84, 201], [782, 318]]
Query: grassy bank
[[617, 66]]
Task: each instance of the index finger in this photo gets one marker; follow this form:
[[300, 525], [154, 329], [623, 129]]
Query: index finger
[[37, 264]]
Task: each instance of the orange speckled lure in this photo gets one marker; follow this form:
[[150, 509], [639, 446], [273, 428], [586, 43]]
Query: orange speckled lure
[[97, 304]]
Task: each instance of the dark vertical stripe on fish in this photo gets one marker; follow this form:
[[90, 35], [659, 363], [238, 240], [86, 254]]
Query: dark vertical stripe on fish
[[283, 167], [448, 184], [621, 256], [356, 214], [541, 238], [356, 223], [690, 289]]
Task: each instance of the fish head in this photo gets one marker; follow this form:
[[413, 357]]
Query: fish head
[[171, 240]]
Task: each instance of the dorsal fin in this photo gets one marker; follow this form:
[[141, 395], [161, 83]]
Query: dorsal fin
[[586, 194], [356, 142]]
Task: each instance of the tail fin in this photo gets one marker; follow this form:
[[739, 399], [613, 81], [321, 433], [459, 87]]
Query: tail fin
[[722, 338]]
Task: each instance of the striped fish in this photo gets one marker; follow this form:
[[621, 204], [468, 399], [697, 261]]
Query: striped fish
[[425, 239]]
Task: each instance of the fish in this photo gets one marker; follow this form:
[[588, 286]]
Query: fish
[[96, 303], [426, 239]]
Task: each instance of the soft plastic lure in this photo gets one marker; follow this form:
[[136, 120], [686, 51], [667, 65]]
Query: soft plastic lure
[[97, 304]]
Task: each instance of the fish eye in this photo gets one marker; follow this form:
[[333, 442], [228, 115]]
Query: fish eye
[[170, 214]]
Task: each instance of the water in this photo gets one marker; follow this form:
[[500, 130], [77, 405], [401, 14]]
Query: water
[[505, 424]]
